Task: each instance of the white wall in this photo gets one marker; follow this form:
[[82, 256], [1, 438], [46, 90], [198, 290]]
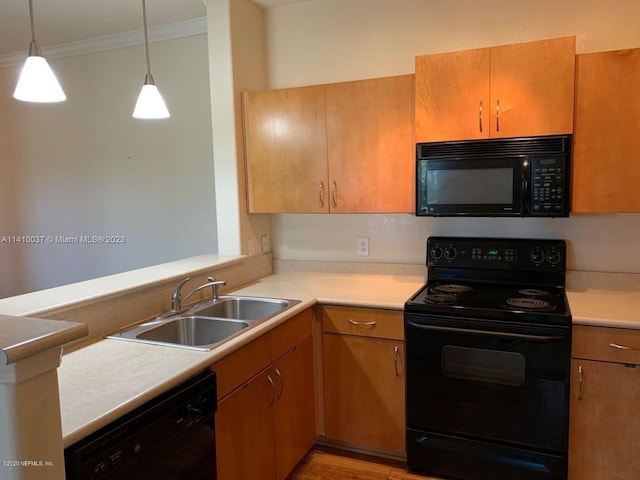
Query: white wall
[[85, 167], [336, 40]]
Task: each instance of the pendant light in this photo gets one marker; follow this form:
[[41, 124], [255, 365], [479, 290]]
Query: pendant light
[[37, 82], [150, 104]]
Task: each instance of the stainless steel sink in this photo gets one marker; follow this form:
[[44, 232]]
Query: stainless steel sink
[[191, 331], [241, 308], [208, 324], [194, 331]]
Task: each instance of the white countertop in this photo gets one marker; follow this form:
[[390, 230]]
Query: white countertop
[[605, 308], [105, 379]]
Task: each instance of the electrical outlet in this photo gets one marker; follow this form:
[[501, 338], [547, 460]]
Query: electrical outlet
[[266, 242], [363, 246]]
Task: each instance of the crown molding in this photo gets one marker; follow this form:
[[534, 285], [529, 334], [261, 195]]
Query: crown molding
[[159, 33]]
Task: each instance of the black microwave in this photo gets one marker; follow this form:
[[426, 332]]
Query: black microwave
[[511, 177]]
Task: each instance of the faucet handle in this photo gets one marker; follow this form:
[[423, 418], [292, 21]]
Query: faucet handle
[[176, 298]]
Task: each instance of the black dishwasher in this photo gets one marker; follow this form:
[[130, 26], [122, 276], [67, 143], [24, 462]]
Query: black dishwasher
[[171, 437]]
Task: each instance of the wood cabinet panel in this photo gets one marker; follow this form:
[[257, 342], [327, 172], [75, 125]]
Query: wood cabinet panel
[[452, 95], [294, 409], [593, 343], [244, 432], [266, 425], [364, 391], [286, 149], [606, 174], [291, 332], [236, 368], [517, 90], [533, 84], [370, 145], [604, 439], [366, 322]]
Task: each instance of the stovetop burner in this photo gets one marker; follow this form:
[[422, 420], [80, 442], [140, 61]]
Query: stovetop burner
[[440, 298], [452, 288], [529, 303], [533, 292]]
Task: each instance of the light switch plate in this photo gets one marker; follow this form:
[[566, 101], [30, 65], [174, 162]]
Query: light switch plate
[[363, 246]]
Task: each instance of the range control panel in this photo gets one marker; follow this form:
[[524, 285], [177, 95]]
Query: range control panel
[[497, 254]]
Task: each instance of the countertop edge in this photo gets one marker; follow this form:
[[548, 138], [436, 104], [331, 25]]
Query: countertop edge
[[31, 336]]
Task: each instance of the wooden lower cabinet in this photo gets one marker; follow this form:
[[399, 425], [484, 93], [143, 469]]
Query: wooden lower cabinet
[[604, 437], [244, 432], [294, 407], [364, 393], [267, 424]]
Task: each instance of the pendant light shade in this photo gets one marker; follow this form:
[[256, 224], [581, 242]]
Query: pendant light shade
[[37, 82], [150, 104]]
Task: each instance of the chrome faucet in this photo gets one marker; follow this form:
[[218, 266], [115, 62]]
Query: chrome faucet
[[177, 299]]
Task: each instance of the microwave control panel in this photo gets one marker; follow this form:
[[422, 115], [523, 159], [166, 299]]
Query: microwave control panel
[[548, 186]]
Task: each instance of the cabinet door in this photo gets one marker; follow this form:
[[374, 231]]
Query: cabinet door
[[452, 96], [604, 438], [532, 88], [244, 431], [364, 391], [294, 409], [286, 150], [606, 174], [370, 145]]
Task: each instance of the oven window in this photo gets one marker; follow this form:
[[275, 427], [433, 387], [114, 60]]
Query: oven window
[[490, 366], [470, 186]]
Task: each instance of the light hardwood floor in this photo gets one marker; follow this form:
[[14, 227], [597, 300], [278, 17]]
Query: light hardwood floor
[[321, 465]]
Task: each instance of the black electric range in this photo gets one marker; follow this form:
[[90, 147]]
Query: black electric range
[[488, 345]]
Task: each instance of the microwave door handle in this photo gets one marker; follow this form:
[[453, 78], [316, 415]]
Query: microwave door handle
[[526, 192]]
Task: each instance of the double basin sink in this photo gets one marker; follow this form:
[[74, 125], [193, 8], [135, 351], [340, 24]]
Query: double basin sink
[[208, 324]]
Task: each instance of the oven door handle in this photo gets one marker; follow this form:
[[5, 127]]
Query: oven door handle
[[514, 336]]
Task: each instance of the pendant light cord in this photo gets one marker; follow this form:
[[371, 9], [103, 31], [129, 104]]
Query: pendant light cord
[[146, 35], [31, 17]]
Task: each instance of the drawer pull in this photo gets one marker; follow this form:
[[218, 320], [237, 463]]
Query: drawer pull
[[362, 324], [623, 347]]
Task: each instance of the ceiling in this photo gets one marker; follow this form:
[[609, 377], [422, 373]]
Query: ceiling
[[64, 21]]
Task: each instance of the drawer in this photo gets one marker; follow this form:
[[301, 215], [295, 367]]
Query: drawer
[[290, 333], [238, 367], [367, 322], [597, 343]]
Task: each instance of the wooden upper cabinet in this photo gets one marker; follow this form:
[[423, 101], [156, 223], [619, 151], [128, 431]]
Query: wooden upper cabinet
[[524, 89], [370, 145], [345, 147], [286, 150], [606, 174], [532, 88], [452, 95]]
